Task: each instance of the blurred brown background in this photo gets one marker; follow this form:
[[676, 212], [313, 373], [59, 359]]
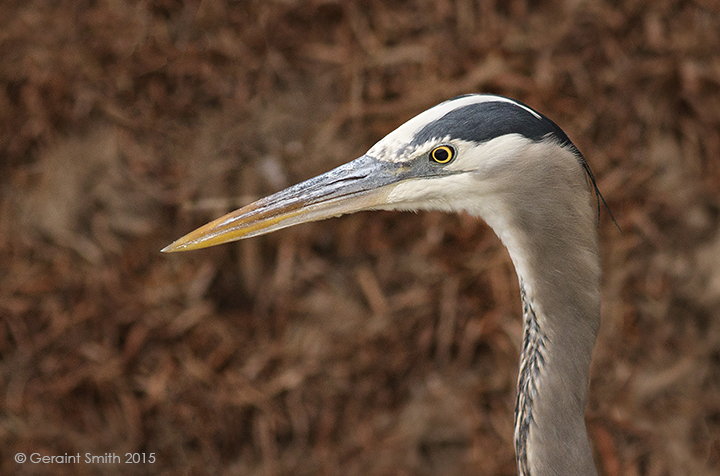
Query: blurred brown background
[[374, 344]]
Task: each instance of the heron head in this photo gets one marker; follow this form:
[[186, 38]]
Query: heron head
[[452, 157]]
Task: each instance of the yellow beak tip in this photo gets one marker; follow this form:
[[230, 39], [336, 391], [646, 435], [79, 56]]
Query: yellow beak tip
[[188, 242], [175, 246]]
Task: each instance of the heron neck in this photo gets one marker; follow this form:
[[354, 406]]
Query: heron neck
[[538, 202], [560, 291]]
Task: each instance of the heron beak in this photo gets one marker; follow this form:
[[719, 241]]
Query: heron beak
[[362, 184]]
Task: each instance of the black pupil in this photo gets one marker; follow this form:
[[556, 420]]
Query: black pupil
[[441, 155]]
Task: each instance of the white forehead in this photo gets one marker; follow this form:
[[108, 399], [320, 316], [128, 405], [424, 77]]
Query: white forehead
[[387, 148]]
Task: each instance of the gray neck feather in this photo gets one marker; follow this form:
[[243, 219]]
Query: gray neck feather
[[548, 224], [532, 362]]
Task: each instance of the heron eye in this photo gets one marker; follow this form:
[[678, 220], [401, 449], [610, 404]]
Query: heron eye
[[442, 154]]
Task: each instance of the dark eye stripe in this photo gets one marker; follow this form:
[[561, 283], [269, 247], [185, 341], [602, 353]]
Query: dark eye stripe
[[484, 121]]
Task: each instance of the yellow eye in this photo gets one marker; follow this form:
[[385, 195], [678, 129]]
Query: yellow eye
[[442, 154]]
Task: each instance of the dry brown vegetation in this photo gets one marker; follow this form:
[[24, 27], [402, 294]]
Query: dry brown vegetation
[[375, 344]]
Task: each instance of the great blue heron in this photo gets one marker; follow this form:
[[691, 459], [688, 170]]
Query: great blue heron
[[500, 160]]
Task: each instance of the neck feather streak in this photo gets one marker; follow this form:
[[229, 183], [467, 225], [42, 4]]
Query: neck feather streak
[[531, 361]]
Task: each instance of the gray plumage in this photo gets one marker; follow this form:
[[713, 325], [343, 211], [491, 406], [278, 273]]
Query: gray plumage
[[497, 159]]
